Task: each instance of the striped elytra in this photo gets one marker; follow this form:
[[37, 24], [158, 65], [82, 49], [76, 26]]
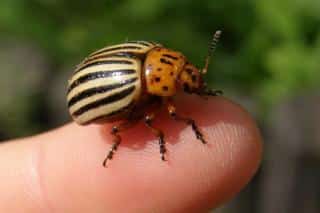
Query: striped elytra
[[107, 83], [130, 82]]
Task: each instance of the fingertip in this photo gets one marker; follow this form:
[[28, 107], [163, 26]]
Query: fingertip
[[194, 177]]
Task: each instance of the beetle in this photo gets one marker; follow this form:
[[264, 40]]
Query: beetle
[[121, 82]]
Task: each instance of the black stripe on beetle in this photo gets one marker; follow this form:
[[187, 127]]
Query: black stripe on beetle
[[100, 74], [170, 56], [100, 117], [165, 61], [128, 54], [139, 42], [116, 48], [104, 101], [102, 63], [98, 90]]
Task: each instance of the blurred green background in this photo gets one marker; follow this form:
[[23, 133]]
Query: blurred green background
[[268, 60]]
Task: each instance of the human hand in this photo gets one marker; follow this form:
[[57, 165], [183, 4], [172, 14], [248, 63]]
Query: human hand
[[61, 170]]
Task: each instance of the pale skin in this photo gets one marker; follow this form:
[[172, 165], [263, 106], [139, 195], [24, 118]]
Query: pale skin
[[61, 170]]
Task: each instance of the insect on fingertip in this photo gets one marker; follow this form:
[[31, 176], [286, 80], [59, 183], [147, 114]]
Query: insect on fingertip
[[130, 81]]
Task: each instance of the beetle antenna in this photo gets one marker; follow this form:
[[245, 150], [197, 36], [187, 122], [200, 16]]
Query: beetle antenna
[[212, 48]]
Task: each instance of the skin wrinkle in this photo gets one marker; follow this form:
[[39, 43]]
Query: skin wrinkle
[[234, 131], [199, 178], [40, 175], [26, 177], [231, 133], [218, 131], [36, 180], [228, 132], [251, 136]]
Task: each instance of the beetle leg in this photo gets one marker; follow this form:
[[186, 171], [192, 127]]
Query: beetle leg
[[157, 132], [209, 92], [117, 138], [213, 92], [188, 121]]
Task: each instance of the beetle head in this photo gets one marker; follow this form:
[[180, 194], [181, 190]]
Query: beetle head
[[191, 78]]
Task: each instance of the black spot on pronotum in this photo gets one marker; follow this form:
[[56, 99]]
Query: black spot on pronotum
[[189, 71], [171, 73], [170, 56], [165, 88], [159, 69], [165, 61], [157, 79]]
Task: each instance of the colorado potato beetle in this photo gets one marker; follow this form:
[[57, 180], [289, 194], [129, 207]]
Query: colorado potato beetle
[[121, 82]]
